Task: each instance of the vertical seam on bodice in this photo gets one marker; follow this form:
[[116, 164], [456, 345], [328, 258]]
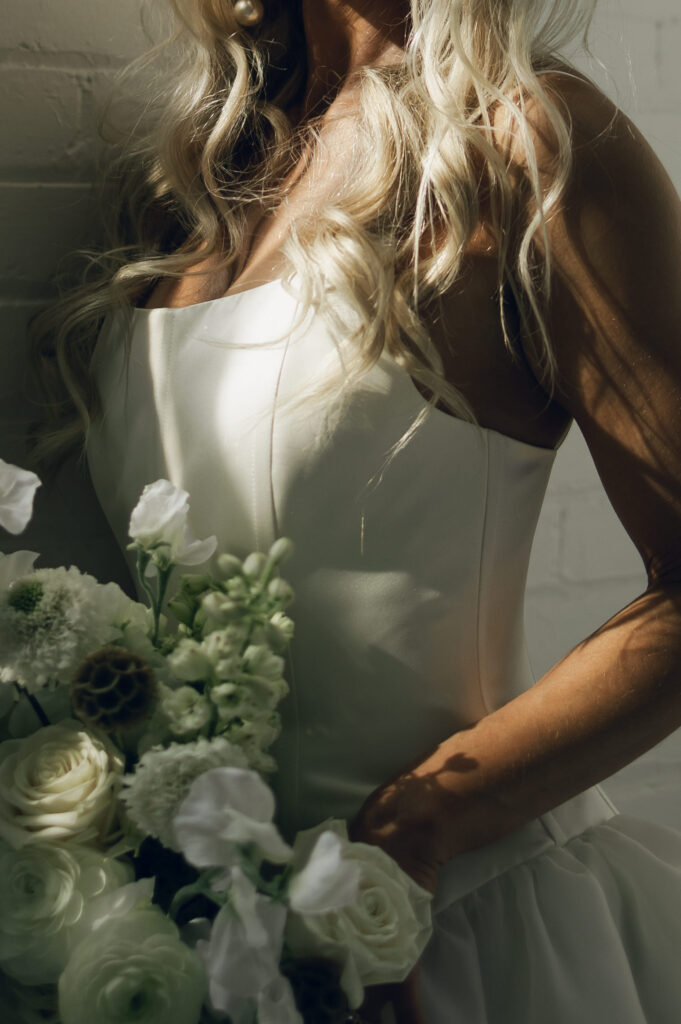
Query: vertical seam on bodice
[[168, 425], [483, 535], [293, 695]]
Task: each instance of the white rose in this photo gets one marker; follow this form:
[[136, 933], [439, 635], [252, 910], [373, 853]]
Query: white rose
[[135, 970], [44, 888], [158, 524], [59, 783], [227, 808], [17, 491], [376, 939]]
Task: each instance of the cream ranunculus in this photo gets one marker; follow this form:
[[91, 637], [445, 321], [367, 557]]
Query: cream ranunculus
[[17, 491], [377, 938], [133, 970], [58, 784], [44, 888], [158, 524]]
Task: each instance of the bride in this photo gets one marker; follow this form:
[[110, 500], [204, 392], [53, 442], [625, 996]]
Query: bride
[[373, 258]]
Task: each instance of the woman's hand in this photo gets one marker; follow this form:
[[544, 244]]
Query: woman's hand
[[395, 817], [399, 1003], [388, 818]]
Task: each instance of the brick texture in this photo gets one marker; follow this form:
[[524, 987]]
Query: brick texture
[[56, 62]]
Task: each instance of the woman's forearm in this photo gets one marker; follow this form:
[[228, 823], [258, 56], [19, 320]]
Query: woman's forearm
[[616, 695]]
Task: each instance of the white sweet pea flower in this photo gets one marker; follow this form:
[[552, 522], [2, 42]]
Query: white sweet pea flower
[[163, 777], [227, 808], [17, 491], [16, 565], [328, 881], [242, 956], [135, 970], [158, 525], [376, 939]]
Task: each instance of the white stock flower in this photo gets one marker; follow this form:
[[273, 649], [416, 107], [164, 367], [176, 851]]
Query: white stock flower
[[186, 710], [260, 729], [17, 491], [158, 524], [242, 957], [52, 619], [280, 629], [259, 660], [225, 809], [135, 970], [376, 939], [58, 784], [163, 778], [44, 888], [189, 661]]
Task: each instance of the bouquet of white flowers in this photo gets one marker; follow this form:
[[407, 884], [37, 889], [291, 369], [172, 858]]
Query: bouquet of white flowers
[[142, 876]]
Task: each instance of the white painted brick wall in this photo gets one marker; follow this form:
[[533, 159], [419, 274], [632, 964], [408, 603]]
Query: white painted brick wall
[[56, 58]]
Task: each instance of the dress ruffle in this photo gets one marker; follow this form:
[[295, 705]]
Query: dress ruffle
[[588, 932]]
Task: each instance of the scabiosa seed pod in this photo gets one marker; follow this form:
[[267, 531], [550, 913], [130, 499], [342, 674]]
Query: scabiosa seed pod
[[113, 689]]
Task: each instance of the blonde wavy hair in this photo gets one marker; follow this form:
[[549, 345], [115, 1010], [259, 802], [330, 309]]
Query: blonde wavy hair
[[215, 138]]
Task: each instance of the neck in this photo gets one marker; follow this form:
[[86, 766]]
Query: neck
[[346, 35]]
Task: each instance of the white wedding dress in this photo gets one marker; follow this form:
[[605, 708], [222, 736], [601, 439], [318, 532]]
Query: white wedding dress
[[409, 626]]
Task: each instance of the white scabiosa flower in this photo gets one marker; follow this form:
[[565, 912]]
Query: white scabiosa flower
[[159, 525], [44, 889], [17, 491], [134, 970], [51, 619], [163, 777]]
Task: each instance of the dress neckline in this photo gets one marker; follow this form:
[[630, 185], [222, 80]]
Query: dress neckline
[[279, 281]]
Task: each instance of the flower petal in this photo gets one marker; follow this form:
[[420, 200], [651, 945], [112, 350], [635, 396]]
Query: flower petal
[[327, 881], [17, 491]]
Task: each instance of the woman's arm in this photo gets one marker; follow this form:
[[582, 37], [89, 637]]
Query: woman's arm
[[615, 325]]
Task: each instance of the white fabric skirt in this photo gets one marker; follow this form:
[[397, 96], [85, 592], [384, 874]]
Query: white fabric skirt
[[585, 932]]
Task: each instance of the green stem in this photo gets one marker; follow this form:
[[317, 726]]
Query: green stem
[[163, 578], [35, 704], [201, 887], [156, 598]]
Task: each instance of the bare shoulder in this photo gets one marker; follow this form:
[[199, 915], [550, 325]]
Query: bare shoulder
[[614, 315]]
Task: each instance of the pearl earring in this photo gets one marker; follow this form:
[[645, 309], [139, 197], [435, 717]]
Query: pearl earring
[[249, 13]]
